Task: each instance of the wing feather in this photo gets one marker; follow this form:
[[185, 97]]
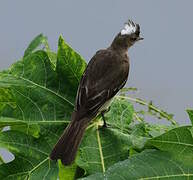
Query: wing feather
[[104, 76]]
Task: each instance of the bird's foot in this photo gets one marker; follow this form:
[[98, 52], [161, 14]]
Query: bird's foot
[[104, 121], [104, 126]]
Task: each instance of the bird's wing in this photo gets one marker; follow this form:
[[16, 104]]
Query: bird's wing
[[104, 76]]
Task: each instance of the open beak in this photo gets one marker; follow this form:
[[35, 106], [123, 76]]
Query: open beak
[[139, 38]]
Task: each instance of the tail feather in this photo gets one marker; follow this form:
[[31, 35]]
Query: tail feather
[[67, 146]]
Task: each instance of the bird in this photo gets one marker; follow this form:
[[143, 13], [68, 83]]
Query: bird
[[106, 73]]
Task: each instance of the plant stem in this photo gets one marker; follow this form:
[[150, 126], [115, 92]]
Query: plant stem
[[151, 106], [137, 117]]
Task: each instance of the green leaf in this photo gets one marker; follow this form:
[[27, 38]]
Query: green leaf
[[155, 130], [37, 108], [70, 65], [33, 171], [33, 89], [20, 125], [101, 148], [178, 141], [148, 130], [6, 99], [31, 155], [190, 113], [148, 165], [38, 41], [120, 114], [53, 58]]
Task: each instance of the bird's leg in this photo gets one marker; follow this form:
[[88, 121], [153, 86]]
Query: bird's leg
[[105, 125], [103, 117]]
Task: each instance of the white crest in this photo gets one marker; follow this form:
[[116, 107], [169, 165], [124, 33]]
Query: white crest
[[129, 28]]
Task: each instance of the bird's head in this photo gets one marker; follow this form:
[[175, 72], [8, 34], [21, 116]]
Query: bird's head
[[127, 36]]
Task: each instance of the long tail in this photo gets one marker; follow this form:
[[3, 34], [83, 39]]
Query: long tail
[[67, 146]]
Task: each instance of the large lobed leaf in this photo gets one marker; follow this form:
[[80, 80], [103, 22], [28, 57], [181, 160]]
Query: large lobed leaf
[[31, 157], [178, 141], [37, 108], [33, 97], [148, 165], [173, 162], [101, 148]]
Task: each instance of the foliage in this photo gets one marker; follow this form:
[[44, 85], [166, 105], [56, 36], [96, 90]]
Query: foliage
[[37, 96]]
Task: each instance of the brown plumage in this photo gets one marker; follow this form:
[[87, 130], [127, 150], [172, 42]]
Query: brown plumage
[[105, 75]]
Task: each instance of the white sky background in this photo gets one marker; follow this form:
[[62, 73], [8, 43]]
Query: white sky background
[[161, 65]]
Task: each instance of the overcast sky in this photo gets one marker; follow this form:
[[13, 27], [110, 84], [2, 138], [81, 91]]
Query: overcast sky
[[161, 65]]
